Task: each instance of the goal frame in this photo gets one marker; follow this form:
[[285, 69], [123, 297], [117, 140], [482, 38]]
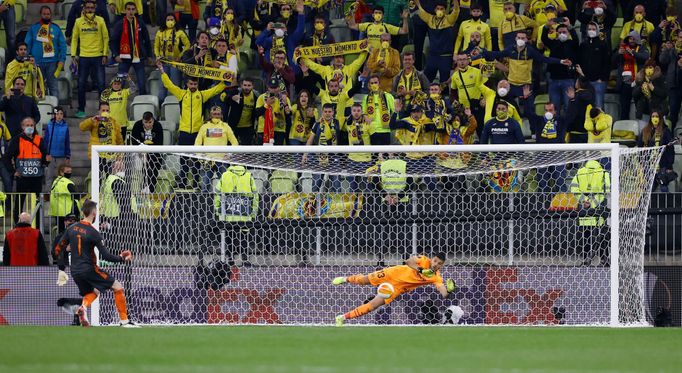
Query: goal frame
[[612, 148]]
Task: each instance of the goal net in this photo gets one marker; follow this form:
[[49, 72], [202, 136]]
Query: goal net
[[533, 234]]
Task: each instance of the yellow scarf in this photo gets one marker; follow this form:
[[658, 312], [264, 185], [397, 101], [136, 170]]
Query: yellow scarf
[[410, 83], [385, 56], [383, 107], [45, 38]]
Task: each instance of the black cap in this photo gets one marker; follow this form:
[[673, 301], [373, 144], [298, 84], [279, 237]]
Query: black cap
[[273, 83], [70, 217]]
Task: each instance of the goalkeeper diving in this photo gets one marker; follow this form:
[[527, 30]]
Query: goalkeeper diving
[[417, 271]]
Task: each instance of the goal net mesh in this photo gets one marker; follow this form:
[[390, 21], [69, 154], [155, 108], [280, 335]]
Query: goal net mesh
[[257, 237]]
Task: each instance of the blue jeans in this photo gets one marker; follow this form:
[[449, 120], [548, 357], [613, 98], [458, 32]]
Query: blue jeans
[[516, 91], [93, 67], [124, 67], [599, 93], [186, 20], [557, 92], [208, 174], [438, 64], [48, 70], [186, 163], [9, 20], [176, 77]]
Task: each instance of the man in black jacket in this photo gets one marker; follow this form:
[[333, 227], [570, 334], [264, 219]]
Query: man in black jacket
[[595, 62], [18, 106], [564, 47], [240, 115], [148, 131], [130, 45]]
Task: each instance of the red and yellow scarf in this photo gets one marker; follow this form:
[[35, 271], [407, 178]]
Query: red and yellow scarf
[[130, 46]]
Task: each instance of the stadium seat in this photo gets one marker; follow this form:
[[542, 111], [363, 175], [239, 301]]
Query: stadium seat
[[46, 108], [261, 179], [306, 182], [3, 39], [527, 133], [167, 137], [625, 132], [540, 101], [171, 111], [282, 182], [2, 61], [615, 33], [20, 7], [144, 103], [154, 83], [65, 8]]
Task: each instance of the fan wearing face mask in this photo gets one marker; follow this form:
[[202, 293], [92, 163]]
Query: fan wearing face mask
[[502, 129], [650, 93], [595, 62], [378, 27], [564, 47], [638, 24], [521, 58], [26, 158], [512, 23], [276, 36], [490, 98], [475, 24], [600, 13]]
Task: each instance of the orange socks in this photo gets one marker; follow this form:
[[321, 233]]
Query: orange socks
[[88, 299], [120, 300], [358, 279], [361, 310]]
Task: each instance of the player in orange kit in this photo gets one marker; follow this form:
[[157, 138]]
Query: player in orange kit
[[417, 271]]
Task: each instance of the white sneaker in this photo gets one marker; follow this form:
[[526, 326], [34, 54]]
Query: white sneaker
[[82, 314], [128, 324]]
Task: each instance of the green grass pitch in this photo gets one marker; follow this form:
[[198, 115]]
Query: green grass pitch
[[348, 350]]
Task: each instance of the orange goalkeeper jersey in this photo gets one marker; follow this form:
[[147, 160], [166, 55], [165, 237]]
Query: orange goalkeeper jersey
[[404, 278]]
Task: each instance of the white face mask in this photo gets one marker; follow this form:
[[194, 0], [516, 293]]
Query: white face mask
[[29, 130], [279, 32], [549, 116], [591, 33], [502, 91], [520, 43], [214, 31], [562, 37], [598, 11]]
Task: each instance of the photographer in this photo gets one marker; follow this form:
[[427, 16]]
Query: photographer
[[17, 105], [25, 66], [629, 59], [273, 110]]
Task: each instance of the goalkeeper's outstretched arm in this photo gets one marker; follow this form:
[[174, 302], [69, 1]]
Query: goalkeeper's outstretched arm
[[447, 288]]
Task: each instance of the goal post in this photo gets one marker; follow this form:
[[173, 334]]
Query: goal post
[[526, 243]]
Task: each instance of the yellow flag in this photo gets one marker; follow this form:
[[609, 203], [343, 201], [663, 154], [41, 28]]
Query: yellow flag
[[330, 50], [206, 72]]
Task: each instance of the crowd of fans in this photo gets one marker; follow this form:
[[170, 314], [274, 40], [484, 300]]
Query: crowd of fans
[[479, 80]]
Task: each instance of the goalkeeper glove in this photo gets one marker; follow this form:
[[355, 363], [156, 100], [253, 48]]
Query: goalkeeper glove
[[426, 272], [62, 278], [450, 285]]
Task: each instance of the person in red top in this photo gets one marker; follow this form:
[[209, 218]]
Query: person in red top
[[24, 245]]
